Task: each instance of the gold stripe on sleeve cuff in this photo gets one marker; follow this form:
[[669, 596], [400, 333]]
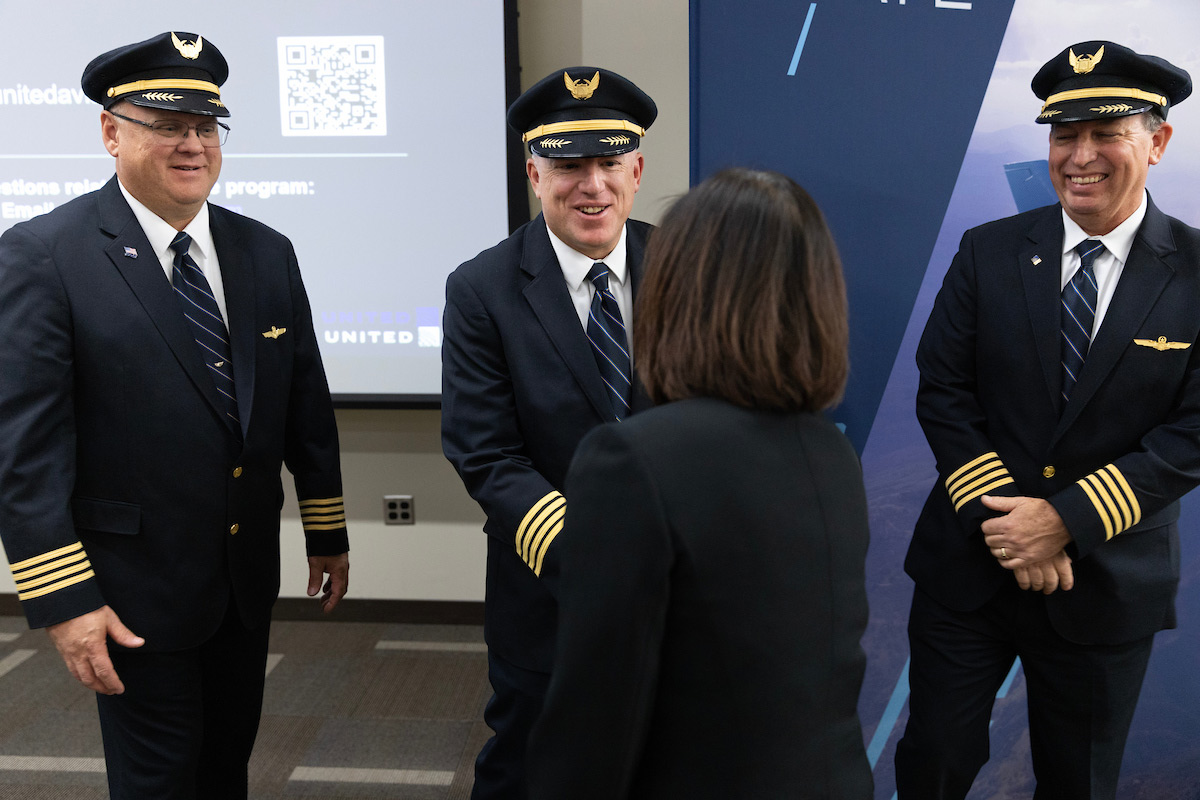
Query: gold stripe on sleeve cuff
[[323, 514], [539, 528], [976, 478], [49, 572], [1113, 499]]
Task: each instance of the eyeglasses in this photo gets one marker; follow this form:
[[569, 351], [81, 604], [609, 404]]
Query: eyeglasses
[[210, 134]]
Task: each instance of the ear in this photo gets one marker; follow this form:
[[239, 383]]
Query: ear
[[535, 178], [1158, 143], [638, 164], [108, 132]]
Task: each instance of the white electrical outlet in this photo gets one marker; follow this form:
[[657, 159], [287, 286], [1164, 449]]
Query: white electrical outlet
[[398, 509]]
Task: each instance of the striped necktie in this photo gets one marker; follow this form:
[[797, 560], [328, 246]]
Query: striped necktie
[[606, 332], [201, 309], [1078, 314]]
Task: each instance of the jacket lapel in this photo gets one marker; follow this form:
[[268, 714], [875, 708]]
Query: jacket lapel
[[237, 273], [636, 243], [132, 255], [1040, 264], [550, 300], [1143, 280]]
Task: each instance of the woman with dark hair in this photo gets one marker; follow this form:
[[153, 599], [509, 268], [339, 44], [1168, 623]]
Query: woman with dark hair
[[711, 593]]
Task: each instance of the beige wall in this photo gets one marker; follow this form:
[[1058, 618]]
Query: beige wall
[[442, 556]]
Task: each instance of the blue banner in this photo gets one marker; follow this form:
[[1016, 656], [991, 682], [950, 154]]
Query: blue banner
[[910, 121]]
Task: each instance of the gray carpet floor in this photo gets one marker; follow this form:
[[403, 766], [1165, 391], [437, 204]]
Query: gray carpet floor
[[353, 711]]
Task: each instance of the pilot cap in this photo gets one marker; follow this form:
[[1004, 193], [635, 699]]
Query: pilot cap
[[582, 112], [1098, 80], [175, 71]]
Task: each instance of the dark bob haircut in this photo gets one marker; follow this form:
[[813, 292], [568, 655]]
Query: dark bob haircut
[[743, 298]]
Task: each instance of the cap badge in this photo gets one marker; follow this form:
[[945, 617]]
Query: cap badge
[[189, 50], [1085, 63], [582, 89]]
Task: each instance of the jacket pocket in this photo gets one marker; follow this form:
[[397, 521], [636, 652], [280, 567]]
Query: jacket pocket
[[106, 516]]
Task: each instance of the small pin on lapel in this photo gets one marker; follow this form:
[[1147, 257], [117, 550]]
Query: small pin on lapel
[[1036, 260], [130, 252]]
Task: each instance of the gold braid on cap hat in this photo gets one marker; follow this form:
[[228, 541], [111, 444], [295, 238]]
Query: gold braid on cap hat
[[165, 83], [583, 125], [1105, 91]]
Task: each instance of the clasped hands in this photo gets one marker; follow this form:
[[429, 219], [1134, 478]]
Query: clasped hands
[[1028, 538]]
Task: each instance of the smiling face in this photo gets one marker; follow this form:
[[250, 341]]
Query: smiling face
[[172, 180], [586, 201], [1099, 167]]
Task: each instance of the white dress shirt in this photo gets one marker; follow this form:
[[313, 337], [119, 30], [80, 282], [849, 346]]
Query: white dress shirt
[[161, 234], [575, 267], [1108, 265]]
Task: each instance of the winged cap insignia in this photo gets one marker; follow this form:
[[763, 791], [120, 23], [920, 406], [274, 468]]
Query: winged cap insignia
[[582, 89], [1085, 63], [189, 50]]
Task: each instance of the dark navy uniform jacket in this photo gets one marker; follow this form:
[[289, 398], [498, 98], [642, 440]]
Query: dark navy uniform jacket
[[1114, 462], [713, 599], [520, 388], [121, 481]]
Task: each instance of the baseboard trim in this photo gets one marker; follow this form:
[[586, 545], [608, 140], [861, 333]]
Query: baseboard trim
[[292, 609]]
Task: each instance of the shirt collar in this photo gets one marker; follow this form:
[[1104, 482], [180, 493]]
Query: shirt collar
[[575, 265], [1119, 241], [161, 233]]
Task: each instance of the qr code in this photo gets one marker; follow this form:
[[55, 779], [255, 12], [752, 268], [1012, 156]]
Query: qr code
[[332, 86]]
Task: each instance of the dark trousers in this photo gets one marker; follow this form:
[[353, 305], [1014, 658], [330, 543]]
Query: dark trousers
[[1081, 699], [185, 726], [518, 695]]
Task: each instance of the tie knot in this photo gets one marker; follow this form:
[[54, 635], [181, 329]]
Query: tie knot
[[181, 243], [598, 275], [1089, 250]]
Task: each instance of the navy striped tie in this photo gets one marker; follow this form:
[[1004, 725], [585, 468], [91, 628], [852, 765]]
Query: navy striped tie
[[1078, 314], [201, 309], [606, 332]]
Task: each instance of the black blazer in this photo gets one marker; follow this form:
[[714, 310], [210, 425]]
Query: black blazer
[[712, 601], [113, 436], [520, 388], [1114, 462]]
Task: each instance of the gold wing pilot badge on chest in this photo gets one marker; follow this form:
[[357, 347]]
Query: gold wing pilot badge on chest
[[274, 333], [1160, 344]]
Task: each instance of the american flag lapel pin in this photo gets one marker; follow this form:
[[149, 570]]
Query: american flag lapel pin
[[1036, 260], [130, 252]]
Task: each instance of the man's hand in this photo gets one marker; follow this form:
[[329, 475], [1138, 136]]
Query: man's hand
[[1029, 531], [83, 644], [1048, 576], [338, 569]]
